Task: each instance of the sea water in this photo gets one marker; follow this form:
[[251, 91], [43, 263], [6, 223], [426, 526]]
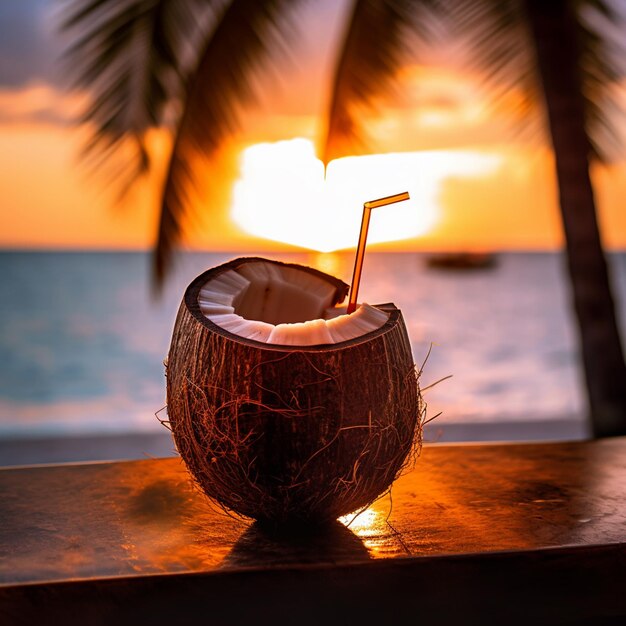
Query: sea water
[[82, 339]]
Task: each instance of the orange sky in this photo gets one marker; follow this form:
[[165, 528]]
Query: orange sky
[[48, 202]]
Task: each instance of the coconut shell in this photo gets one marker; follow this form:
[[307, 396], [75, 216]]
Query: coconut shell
[[291, 434]]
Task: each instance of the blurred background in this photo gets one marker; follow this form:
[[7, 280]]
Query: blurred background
[[142, 142]]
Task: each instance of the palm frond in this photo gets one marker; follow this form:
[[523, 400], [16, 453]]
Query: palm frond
[[602, 68], [129, 56], [216, 92], [497, 48], [373, 47], [495, 35]]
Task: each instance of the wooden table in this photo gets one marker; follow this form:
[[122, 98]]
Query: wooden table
[[477, 534]]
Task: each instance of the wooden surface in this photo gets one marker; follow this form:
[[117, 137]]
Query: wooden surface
[[510, 532]]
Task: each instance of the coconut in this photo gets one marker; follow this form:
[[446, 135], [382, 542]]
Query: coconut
[[284, 408]]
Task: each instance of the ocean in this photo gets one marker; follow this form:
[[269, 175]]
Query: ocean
[[82, 340]]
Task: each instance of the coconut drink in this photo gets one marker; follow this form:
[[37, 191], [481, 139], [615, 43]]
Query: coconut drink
[[284, 407]]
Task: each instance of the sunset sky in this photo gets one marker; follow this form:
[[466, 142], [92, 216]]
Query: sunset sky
[[474, 185]]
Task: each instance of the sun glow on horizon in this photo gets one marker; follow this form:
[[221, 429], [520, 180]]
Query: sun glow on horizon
[[282, 195]]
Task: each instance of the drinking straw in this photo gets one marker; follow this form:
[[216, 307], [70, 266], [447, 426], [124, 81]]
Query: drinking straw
[[360, 250]]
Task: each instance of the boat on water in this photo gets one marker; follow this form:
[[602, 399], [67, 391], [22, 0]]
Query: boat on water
[[462, 260]]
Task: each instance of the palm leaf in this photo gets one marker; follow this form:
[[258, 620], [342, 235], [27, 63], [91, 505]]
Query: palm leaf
[[497, 48], [602, 66], [373, 48], [129, 56], [495, 35], [216, 92]]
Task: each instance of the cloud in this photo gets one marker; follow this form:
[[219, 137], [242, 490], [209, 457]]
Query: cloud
[[439, 108], [39, 102]]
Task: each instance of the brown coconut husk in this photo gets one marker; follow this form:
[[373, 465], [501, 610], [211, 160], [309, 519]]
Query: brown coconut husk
[[288, 434]]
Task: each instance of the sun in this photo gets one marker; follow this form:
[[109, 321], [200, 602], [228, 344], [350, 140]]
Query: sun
[[282, 194]]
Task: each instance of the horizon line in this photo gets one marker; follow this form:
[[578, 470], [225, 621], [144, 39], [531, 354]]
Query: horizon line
[[294, 250]]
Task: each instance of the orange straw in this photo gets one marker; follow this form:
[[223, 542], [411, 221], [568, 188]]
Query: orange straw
[[360, 251]]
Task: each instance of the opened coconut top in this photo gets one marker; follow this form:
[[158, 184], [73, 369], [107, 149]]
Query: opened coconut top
[[284, 304]]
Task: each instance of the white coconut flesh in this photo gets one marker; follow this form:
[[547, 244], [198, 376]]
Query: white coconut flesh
[[283, 305]]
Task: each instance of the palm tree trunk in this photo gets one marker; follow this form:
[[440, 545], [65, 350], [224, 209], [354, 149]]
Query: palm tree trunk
[[554, 29]]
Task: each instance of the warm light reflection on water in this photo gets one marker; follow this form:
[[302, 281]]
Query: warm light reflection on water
[[329, 262]]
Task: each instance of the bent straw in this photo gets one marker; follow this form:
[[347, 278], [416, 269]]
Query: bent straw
[[360, 251]]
